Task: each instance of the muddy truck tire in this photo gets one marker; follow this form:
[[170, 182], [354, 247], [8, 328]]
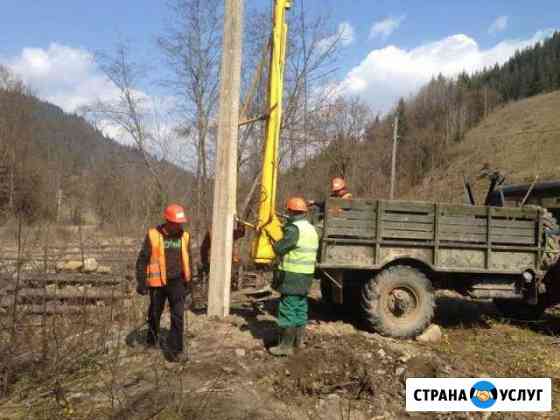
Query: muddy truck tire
[[398, 302]]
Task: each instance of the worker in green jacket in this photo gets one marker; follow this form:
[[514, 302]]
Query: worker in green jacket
[[297, 251]]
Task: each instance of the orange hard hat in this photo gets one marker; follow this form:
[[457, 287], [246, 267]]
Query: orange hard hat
[[175, 213], [337, 184], [297, 204]]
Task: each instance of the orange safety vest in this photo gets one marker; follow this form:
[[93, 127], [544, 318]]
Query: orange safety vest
[[156, 270]]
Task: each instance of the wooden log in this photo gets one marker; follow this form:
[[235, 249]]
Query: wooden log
[[27, 295], [53, 308], [67, 279]]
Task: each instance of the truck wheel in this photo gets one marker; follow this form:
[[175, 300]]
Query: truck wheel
[[517, 309], [398, 302]]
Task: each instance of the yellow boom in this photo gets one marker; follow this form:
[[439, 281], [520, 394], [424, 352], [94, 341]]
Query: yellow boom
[[269, 226]]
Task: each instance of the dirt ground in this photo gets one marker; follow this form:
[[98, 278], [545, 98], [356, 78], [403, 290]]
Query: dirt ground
[[343, 373]]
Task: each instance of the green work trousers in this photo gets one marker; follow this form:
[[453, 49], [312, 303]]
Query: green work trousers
[[292, 311]]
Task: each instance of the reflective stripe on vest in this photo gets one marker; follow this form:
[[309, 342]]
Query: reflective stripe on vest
[[302, 258], [156, 270]]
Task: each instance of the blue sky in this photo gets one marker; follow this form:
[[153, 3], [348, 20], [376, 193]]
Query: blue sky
[[411, 40]]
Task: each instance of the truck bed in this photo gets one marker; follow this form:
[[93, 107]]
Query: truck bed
[[368, 234]]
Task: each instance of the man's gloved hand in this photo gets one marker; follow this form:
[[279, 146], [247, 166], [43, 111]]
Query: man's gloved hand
[[142, 290]]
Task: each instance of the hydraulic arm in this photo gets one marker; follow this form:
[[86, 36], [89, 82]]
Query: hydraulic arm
[[269, 225]]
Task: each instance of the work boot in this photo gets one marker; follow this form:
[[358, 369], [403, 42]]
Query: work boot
[[286, 343], [300, 337], [182, 357]]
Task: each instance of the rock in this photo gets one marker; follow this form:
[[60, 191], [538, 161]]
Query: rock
[[432, 334], [104, 269], [240, 352], [90, 265], [59, 266], [72, 266], [400, 370], [381, 353]]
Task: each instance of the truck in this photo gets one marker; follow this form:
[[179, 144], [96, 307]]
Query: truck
[[386, 259]]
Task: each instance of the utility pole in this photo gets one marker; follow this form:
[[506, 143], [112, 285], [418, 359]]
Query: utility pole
[[225, 181], [394, 157]]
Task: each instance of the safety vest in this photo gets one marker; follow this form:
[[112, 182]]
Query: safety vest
[[302, 258], [156, 270], [347, 196]]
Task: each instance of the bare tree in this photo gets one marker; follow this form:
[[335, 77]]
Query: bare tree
[[191, 45], [128, 111]]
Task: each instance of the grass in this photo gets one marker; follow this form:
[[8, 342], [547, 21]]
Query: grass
[[522, 139]]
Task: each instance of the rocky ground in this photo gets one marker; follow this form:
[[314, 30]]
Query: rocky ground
[[343, 373]]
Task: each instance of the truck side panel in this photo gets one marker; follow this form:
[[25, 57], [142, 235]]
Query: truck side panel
[[368, 234]]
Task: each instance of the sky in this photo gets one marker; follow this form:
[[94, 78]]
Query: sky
[[389, 47]]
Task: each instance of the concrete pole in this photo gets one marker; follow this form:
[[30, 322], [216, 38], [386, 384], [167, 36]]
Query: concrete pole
[[394, 157], [225, 181]]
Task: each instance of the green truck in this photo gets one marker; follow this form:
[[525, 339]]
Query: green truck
[[386, 258]]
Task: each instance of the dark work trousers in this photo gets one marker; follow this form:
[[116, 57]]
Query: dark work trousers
[[174, 292]]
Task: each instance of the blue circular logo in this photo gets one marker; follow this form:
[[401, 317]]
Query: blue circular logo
[[484, 394]]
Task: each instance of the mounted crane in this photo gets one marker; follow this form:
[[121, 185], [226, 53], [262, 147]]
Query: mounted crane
[[269, 225]]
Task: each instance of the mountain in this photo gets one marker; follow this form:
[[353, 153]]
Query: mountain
[[521, 139], [55, 165]]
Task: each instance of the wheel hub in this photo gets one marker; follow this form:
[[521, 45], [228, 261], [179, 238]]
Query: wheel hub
[[402, 302]]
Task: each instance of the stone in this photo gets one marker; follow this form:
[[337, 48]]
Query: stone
[[432, 334], [240, 352], [59, 266], [104, 269], [72, 266], [400, 370], [90, 265], [405, 358], [381, 353]]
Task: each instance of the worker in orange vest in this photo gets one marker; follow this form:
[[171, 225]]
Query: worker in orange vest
[[163, 270], [339, 189]]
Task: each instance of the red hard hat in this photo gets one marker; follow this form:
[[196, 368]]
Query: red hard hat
[[175, 213], [337, 184], [296, 204]]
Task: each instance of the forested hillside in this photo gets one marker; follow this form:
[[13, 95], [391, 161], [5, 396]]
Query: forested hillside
[[434, 124], [56, 166], [522, 140]]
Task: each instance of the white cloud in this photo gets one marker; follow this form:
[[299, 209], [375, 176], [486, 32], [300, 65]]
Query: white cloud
[[344, 36], [70, 78], [384, 28], [499, 25], [65, 76], [391, 72]]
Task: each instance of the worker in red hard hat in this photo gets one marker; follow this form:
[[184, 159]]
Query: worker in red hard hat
[[163, 270], [298, 254], [339, 189]]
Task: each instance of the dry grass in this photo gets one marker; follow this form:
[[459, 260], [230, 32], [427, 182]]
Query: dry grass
[[522, 140]]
